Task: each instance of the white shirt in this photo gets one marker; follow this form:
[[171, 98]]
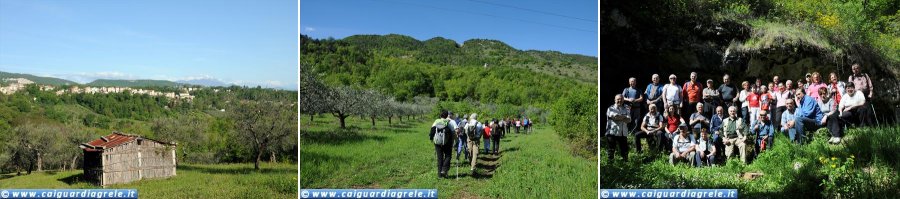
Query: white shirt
[[743, 97], [856, 100], [673, 93], [615, 127]]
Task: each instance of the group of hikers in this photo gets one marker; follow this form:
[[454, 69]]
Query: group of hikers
[[690, 123], [464, 134]]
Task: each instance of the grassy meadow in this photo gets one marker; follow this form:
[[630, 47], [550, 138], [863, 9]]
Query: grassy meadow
[[192, 181], [864, 166], [537, 165]]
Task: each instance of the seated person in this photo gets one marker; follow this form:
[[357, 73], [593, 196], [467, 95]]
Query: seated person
[[682, 147], [705, 149]]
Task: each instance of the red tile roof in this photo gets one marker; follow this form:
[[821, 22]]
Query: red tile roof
[[112, 140]]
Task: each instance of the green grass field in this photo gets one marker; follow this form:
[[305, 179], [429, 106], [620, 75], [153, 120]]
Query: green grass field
[[538, 165], [192, 181], [864, 166]]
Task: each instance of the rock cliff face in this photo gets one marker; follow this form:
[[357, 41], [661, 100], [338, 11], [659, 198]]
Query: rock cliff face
[[639, 46]]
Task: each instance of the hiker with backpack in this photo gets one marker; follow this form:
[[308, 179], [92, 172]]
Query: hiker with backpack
[[443, 136], [487, 137], [497, 134], [461, 135], [474, 136]]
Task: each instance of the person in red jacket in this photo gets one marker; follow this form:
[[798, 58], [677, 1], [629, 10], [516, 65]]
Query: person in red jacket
[[692, 92]]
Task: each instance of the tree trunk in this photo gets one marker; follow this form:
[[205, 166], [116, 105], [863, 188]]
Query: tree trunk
[[389, 121], [373, 122], [272, 157], [74, 159], [40, 162], [259, 153], [311, 116], [341, 118]]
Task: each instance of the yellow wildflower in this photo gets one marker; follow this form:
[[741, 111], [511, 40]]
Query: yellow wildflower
[[833, 166]]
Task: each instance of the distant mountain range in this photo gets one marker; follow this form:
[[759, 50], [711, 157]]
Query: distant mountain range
[[207, 82], [37, 79], [134, 83]]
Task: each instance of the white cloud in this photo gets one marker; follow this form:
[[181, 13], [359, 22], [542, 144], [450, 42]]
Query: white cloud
[[309, 29]]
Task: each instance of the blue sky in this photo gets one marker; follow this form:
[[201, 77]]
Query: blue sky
[[523, 24], [242, 42]]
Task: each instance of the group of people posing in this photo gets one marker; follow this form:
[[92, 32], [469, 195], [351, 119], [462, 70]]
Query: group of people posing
[[465, 133], [689, 122]]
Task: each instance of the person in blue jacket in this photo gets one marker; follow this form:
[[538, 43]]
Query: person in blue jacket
[[764, 132], [808, 114]]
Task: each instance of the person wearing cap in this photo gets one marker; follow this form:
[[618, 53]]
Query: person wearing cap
[[693, 93], [618, 118], [711, 98], [672, 94], [734, 131], [682, 146], [806, 81]]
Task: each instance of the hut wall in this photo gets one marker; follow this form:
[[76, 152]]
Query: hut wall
[[157, 160], [132, 161]]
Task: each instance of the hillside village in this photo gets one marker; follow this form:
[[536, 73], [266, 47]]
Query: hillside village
[[13, 85]]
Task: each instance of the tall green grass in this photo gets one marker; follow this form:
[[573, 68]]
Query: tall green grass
[[538, 165], [192, 181], [864, 166]]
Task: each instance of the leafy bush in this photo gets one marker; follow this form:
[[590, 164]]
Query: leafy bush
[[574, 117]]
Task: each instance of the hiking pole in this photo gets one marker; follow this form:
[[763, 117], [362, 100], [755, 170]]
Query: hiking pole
[[874, 113]]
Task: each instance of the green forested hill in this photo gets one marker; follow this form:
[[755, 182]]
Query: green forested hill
[[37, 79], [405, 67]]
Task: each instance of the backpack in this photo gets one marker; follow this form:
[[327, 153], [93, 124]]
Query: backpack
[[441, 133], [472, 132]]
